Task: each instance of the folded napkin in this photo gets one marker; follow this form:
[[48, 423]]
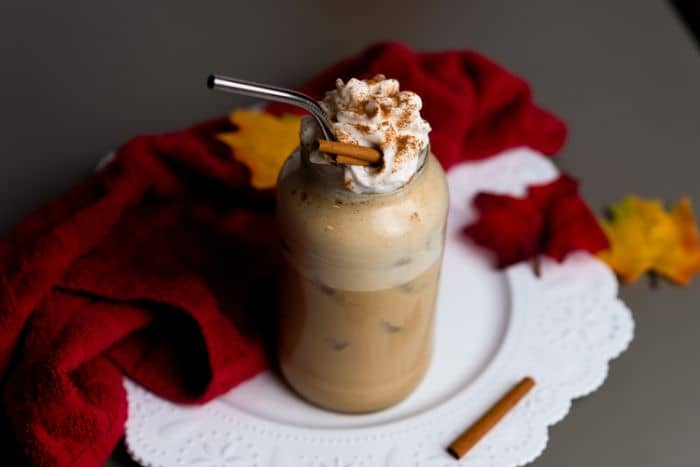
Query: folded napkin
[[160, 266]]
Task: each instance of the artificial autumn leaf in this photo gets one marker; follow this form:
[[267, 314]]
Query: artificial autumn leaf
[[552, 219], [645, 237], [262, 142], [510, 227], [571, 226]]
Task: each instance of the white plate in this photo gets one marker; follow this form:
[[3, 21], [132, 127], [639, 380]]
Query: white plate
[[492, 329]]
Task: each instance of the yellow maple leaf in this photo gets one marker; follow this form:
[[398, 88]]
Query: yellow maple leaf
[[262, 142], [645, 237]]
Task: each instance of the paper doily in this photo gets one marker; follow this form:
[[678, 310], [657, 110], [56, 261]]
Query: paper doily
[[562, 328]]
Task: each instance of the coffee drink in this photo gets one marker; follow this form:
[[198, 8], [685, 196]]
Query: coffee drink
[[363, 249]]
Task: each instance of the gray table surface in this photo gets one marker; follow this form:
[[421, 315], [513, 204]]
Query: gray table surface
[[80, 77]]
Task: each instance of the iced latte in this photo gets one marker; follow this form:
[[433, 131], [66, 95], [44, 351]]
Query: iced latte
[[363, 249]]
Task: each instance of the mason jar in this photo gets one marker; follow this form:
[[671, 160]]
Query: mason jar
[[359, 284]]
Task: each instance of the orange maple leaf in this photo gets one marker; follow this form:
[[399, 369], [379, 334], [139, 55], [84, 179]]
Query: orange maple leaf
[[262, 142], [645, 237]]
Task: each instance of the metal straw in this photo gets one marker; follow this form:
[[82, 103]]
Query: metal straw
[[273, 93]]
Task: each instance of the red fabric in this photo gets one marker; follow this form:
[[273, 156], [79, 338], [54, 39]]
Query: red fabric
[[160, 265], [143, 268], [475, 106], [552, 219]]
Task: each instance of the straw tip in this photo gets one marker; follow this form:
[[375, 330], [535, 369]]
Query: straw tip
[[210, 81]]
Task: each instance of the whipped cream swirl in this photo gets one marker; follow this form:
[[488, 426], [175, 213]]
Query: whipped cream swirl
[[376, 113]]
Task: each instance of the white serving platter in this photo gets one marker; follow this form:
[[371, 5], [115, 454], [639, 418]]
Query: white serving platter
[[492, 329]]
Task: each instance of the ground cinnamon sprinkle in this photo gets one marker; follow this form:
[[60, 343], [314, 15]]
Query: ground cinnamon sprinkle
[[406, 144], [405, 119], [358, 109], [371, 110], [345, 137], [363, 128]]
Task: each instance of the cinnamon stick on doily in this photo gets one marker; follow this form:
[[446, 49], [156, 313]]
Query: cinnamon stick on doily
[[467, 440]]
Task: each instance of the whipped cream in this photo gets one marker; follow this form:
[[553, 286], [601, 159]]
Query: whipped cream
[[376, 113]]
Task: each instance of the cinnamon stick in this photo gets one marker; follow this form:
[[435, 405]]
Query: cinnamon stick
[[370, 155], [351, 160], [467, 440]]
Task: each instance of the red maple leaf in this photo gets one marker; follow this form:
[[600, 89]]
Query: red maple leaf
[[552, 219]]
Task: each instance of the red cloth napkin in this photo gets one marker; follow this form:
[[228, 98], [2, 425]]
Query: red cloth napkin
[[160, 266]]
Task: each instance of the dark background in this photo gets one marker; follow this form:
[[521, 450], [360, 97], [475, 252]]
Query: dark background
[[78, 78]]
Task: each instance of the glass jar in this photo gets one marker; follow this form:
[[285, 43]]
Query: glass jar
[[359, 284]]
